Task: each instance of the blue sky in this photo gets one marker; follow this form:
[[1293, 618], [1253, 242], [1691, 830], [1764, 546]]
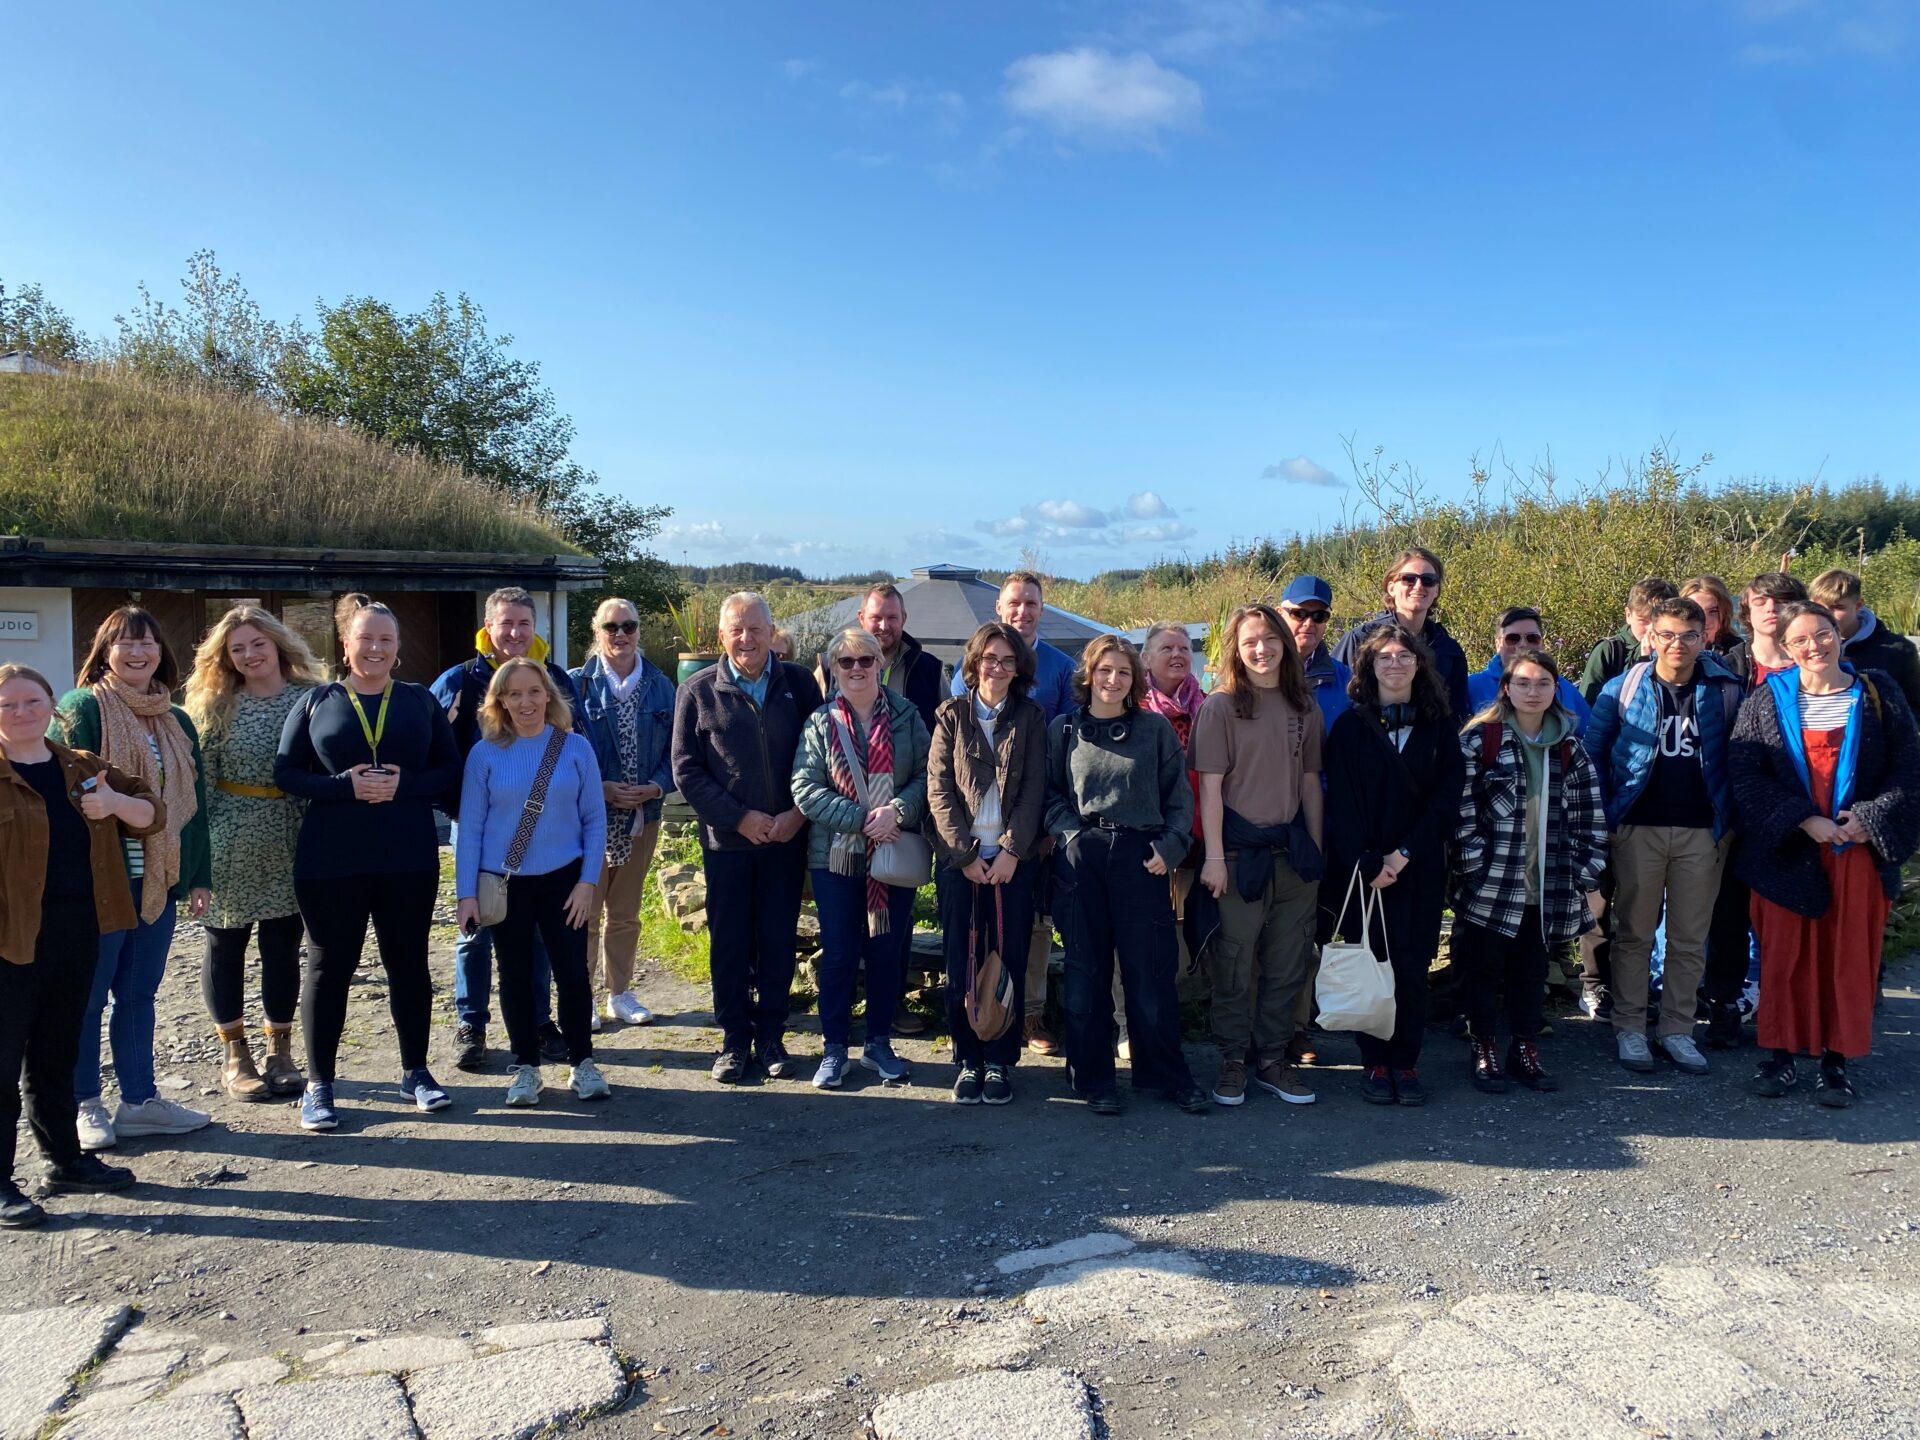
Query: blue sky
[[885, 283]]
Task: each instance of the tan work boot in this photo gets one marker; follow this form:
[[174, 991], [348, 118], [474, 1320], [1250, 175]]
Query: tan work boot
[[1038, 1040], [241, 1080], [283, 1077]]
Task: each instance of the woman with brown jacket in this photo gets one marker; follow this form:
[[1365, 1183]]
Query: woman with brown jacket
[[987, 791], [63, 884]]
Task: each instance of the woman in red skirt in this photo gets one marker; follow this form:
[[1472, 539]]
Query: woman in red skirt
[[1826, 772]]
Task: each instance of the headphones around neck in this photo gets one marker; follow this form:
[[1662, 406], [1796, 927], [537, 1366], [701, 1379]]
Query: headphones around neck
[[1116, 729], [1397, 717]]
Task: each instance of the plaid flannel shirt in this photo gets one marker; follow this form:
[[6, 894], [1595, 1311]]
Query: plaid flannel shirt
[[1490, 840]]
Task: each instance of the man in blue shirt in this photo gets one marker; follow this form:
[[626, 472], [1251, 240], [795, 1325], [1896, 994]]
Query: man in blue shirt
[[1520, 628], [1307, 606]]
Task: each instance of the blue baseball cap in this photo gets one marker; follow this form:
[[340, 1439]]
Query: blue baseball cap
[[1308, 590]]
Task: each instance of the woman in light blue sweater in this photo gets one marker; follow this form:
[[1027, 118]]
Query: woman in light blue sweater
[[550, 886]]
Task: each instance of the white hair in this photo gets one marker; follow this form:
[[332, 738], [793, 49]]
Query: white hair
[[853, 640], [741, 599]]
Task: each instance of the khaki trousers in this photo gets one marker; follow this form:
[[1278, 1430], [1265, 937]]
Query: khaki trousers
[[1680, 866], [617, 898], [1258, 963]]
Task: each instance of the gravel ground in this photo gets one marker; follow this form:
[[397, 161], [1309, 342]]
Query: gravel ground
[[1634, 1255]]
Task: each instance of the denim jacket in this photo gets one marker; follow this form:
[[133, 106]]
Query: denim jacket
[[600, 718]]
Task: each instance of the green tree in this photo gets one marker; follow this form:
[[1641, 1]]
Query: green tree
[[30, 321], [220, 339]]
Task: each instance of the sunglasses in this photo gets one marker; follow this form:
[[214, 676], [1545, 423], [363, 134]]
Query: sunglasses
[[1414, 581], [850, 663], [1308, 617], [619, 627], [1532, 637]]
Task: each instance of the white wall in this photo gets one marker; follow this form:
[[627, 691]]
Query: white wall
[[51, 652]]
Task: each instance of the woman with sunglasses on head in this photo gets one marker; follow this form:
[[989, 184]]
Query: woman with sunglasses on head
[[1412, 588], [626, 709], [124, 713], [1393, 790], [987, 792], [1530, 841], [860, 775], [248, 674], [1826, 773], [370, 755], [1121, 807]]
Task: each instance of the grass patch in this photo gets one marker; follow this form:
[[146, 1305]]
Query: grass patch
[[661, 937], [104, 455]]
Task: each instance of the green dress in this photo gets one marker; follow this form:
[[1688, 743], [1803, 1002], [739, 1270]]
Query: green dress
[[253, 837]]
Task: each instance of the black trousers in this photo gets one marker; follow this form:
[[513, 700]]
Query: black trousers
[[958, 896], [1728, 936], [338, 911], [1503, 972], [1596, 946], [537, 905], [1406, 931], [753, 907], [223, 970], [41, 1007], [1115, 910]]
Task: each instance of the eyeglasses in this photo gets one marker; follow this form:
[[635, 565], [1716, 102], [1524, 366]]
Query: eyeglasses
[[850, 663], [1676, 637], [998, 662], [619, 627], [1530, 685], [1415, 580], [1396, 661], [1532, 637], [1812, 642], [1308, 617]]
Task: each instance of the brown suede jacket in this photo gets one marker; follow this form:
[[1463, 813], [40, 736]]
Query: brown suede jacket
[[960, 767], [23, 851]]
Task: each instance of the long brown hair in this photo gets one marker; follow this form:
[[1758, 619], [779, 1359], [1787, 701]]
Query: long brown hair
[[214, 686], [1236, 680], [129, 622], [1429, 691], [1097, 650]]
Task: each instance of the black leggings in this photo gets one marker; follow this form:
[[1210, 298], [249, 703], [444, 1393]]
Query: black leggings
[[41, 1006], [539, 902], [337, 912], [223, 970], [1503, 973]]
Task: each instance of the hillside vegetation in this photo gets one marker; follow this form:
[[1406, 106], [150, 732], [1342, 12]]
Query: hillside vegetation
[[105, 454]]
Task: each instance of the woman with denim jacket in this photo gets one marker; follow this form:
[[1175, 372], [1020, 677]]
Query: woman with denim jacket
[[626, 709]]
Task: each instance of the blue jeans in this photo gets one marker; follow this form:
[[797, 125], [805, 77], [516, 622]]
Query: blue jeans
[[131, 964], [845, 946], [473, 978]]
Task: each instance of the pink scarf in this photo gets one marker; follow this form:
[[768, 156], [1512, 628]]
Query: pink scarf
[[1179, 708]]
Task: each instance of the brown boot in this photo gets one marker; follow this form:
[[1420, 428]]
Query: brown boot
[[242, 1081], [283, 1077]]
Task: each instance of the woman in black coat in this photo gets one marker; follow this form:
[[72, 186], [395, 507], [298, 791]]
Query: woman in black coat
[[1394, 772]]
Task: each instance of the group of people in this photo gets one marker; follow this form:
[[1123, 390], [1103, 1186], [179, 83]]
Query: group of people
[[1743, 802]]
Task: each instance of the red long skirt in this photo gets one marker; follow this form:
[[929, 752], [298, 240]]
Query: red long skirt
[[1818, 977]]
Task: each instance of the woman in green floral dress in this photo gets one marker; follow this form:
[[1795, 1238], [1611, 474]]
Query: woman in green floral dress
[[248, 675]]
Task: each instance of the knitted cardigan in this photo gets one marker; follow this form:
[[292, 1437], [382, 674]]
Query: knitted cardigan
[[1775, 856]]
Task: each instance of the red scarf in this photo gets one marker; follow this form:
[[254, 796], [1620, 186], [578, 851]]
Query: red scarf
[[843, 855]]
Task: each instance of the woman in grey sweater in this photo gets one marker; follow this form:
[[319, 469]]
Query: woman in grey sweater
[[1121, 806]]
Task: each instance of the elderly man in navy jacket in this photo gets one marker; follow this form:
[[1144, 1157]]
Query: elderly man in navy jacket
[[735, 730]]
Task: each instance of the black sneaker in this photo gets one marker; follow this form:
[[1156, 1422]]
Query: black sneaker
[[1191, 1098], [1107, 1102], [1833, 1089], [470, 1048], [998, 1089], [89, 1175], [1376, 1086], [1406, 1085], [1723, 1026], [1487, 1074], [730, 1067], [553, 1045], [1523, 1064], [1773, 1077], [967, 1088], [774, 1059], [17, 1212]]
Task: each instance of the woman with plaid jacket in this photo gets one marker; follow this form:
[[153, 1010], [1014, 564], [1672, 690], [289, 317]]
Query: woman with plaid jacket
[[1531, 840]]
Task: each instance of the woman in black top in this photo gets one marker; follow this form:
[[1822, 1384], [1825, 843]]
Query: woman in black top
[[371, 755], [1394, 772]]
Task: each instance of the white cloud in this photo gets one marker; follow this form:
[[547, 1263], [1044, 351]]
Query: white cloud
[[930, 546], [1094, 95], [1071, 513], [1144, 519], [946, 109], [1301, 471], [1147, 506], [1800, 31], [798, 69]]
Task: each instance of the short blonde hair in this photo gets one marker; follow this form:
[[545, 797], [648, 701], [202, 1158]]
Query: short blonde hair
[[853, 640], [604, 609], [496, 724], [1830, 586]]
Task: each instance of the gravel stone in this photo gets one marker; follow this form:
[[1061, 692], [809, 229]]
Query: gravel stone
[[523, 1337], [235, 1375], [1081, 1247], [510, 1395], [1157, 1297], [40, 1351], [1031, 1405], [398, 1355], [363, 1407], [201, 1417]]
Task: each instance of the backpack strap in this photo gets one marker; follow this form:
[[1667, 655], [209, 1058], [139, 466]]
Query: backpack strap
[[1491, 734], [1635, 673], [1873, 695]]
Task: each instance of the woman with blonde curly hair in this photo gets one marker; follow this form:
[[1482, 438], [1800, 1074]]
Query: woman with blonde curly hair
[[248, 674]]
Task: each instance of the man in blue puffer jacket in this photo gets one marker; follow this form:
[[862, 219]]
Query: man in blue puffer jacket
[[1659, 738]]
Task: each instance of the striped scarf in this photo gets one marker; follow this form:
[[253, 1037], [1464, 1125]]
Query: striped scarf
[[848, 853], [123, 742]]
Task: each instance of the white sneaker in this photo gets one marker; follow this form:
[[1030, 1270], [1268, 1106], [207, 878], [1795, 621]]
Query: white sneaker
[[588, 1083], [96, 1126], [1749, 1000], [525, 1089], [627, 1009], [1685, 1054], [158, 1116], [1632, 1050], [593, 1021]]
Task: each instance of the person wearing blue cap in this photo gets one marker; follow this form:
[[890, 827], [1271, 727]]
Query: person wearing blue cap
[[1412, 586], [1307, 606], [1520, 628]]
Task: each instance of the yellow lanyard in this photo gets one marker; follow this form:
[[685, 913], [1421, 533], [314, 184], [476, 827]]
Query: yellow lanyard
[[374, 731]]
